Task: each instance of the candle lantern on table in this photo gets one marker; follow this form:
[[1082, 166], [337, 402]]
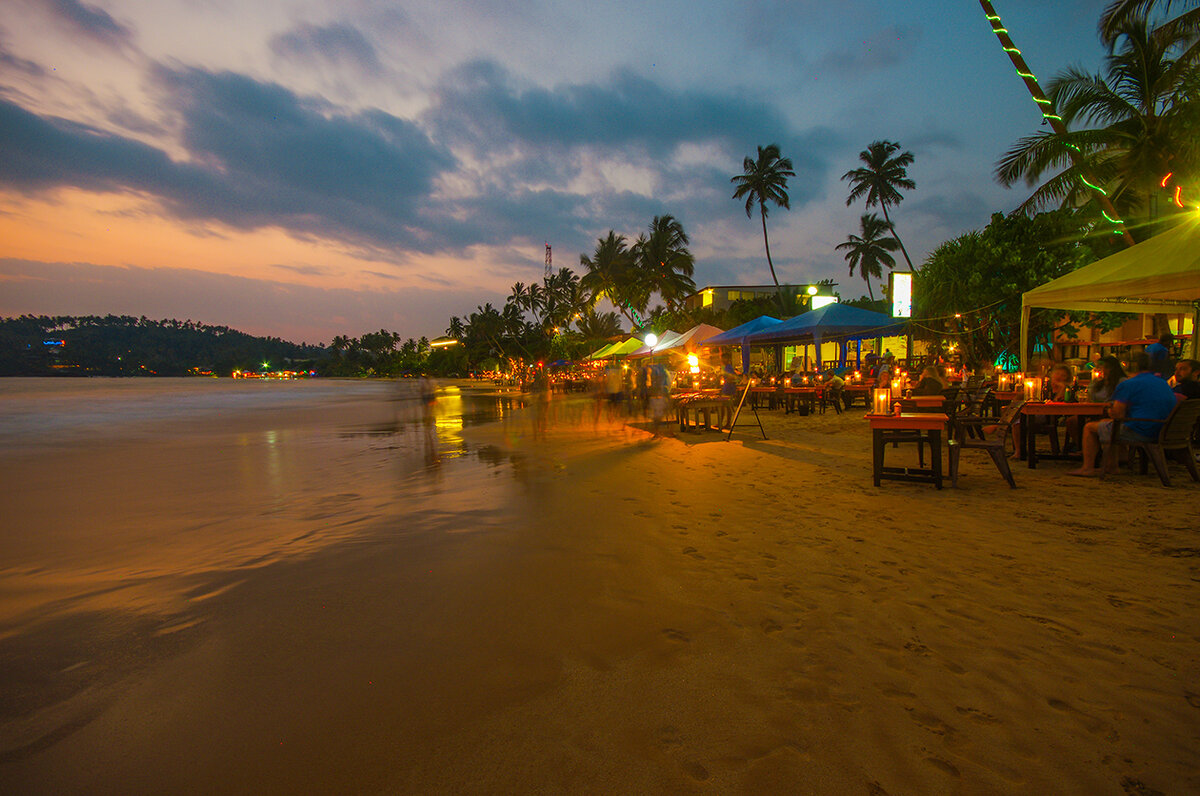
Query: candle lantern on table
[[1002, 382], [1033, 388], [881, 401]]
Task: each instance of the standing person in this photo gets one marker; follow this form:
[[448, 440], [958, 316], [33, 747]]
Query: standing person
[[613, 389], [1144, 396], [659, 389], [1160, 355]]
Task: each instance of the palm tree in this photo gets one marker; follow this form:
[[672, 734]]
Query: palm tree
[[610, 274], [880, 181], [598, 326], [1148, 114], [664, 260], [869, 251], [1120, 12], [456, 329], [764, 180]]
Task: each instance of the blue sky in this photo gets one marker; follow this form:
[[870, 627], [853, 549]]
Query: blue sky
[[309, 169]]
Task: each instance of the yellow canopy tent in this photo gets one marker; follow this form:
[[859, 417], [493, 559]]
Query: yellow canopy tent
[[1161, 274]]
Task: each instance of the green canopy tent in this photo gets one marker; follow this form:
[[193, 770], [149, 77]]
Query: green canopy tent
[[1159, 275]]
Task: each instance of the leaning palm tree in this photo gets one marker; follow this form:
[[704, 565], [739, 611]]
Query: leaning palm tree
[[1146, 113], [880, 181], [762, 181], [665, 261], [869, 252], [610, 274]]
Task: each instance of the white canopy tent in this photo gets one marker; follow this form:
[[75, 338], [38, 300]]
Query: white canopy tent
[[1159, 275]]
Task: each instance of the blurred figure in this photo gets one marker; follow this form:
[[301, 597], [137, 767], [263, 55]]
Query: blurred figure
[[1187, 378], [1107, 374]]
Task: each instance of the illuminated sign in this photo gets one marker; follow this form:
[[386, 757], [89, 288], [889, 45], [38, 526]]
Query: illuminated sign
[[820, 301], [901, 289]]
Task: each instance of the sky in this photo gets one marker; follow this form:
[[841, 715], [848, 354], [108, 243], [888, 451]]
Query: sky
[[309, 169]]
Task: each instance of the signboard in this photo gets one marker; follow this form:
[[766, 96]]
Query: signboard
[[820, 301], [901, 292]]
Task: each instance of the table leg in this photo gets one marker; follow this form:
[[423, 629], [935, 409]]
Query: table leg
[[935, 445], [1030, 441], [877, 454]]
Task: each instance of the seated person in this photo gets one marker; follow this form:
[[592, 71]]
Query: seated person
[[1144, 396], [1187, 378], [1060, 381], [1160, 355], [931, 382], [1107, 374]]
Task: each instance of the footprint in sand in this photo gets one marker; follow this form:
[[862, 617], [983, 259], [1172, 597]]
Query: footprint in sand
[[691, 551], [677, 635], [695, 770], [770, 626], [744, 576], [977, 715], [942, 765]]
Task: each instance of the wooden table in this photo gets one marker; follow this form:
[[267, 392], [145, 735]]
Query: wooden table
[[853, 391], [1028, 436], [929, 427], [695, 406], [794, 397]]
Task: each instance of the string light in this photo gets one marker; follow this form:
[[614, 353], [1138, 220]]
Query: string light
[[1046, 106]]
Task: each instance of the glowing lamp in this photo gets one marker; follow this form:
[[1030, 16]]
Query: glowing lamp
[[1002, 382], [651, 339], [812, 290], [693, 363], [881, 401]]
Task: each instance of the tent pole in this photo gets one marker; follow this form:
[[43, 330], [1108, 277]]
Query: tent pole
[[1195, 330], [1024, 352]]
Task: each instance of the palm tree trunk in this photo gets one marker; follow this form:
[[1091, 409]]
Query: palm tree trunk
[[870, 292], [903, 250], [767, 244]]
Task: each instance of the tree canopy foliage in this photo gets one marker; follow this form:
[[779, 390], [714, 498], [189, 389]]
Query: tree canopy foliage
[[969, 290]]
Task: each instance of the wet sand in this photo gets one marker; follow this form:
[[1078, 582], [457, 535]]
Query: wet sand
[[330, 596]]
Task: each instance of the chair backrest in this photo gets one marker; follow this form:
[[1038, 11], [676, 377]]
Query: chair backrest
[[1178, 428], [1008, 417]]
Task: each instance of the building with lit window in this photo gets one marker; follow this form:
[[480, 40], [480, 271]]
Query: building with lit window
[[719, 297]]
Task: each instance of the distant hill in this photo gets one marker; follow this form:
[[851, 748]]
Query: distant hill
[[121, 345]]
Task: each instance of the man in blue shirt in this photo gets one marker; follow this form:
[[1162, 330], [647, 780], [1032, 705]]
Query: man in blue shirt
[[1146, 396]]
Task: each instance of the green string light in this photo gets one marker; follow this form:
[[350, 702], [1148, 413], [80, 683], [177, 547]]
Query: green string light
[[1041, 101], [1027, 75], [1111, 220], [1012, 50], [1097, 189]]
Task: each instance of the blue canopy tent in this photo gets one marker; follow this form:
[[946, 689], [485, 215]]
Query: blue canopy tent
[[832, 322], [739, 335]]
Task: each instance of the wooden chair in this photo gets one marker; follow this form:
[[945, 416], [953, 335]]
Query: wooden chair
[[1174, 437], [993, 440]]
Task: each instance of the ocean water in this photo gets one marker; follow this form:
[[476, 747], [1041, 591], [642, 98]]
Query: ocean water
[[135, 488]]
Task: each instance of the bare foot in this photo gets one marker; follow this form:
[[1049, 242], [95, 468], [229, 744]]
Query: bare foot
[[1084, 473]]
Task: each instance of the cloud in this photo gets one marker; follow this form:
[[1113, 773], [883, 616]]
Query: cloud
[[886, 48], [260, 156], [91, 21], [481, 103], [303, 270], [336, 43]]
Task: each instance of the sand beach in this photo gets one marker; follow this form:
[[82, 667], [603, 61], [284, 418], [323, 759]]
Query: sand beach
[[309, 588]]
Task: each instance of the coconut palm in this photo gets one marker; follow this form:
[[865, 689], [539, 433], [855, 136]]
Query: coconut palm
[[610, 274], [665, 263], [1147, 113], [1187, 24], [880, 181], [456, 329], [762, 181], [869, 252], [599, 325]]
